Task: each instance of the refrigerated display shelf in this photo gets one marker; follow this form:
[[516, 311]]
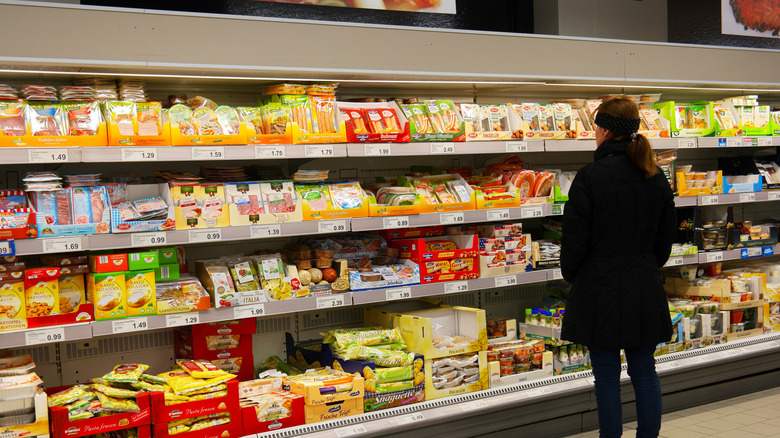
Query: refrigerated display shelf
[[738, 254], [737, 142]]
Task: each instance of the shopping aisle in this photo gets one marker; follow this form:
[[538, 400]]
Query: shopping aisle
[[746, 416]]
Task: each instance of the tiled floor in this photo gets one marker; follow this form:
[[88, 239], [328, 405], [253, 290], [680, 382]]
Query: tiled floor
[[747, 416]]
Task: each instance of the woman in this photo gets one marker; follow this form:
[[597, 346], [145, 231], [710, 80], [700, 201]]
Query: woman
[[618, 229]]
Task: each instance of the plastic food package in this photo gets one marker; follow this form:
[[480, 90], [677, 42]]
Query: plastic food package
[[125, 373], [12, 118], [279, 195], [315, 194], [46, 119], [365, 336], [346, 196], [83, 117], [111, 404], [123, 115], [67, 396], [200, 369], [114, 392]]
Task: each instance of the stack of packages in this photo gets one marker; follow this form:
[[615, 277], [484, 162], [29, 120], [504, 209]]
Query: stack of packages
[[394, 376], [503, 248], [16, 220], [22, 403], [70, 282], [517, 356], [228, 345], [327, 394], [266, 407]]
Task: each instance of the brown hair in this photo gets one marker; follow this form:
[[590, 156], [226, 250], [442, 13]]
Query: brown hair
[[639, 150]]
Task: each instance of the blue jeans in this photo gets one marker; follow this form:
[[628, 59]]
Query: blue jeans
[[647, 388]]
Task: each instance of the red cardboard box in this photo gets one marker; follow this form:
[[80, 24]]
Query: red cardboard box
[[85, 313], [108, 263], [252, 425], [230, 430], [415, 249], [61, 427], [459, 269], [246, 326], [188, 346], [163, 414], [411, 233]]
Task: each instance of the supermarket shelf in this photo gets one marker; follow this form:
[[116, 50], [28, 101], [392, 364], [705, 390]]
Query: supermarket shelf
[[738, 254], [673, 143], [61, 154], [739, 198], [737, 142], [682, 260], [46, 335], [442, 148], [52, 244], [210, 153], [685, 201], [569, 145]]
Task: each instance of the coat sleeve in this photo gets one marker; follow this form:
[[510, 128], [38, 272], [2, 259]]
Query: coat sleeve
[[667, 231], [577, 218]]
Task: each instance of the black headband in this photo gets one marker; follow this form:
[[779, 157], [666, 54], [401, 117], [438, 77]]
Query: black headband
[[620, 125]]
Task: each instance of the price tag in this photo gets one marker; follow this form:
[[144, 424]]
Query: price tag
[[62, 244], [710, 200], [684, 143], [675, 261], [130, 325], [442, 148], [205, 235], [536, 392], [330, 301], [473, 405], [734, 141], [765, 141], [556, 274], [208, 153], [668, 365], [413, 418], [452, 287], [252, 311], [332, 226], [506, 280], [273, 230], [42, 336], [139, 154], [270, 151], [498, 215], [395, 222], [319, 151], [451, 218], [773, 196], [146, 239], [178, 319], [747, 197], [702, 359], [355, 429], [754, 251], [6, 249], [47, 155], [527, 212], [400, 293], [734, 352], [378, 150], [714, 256], [517, 146]]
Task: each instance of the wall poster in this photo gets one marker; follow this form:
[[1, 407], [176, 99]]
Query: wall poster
[[757, 18]]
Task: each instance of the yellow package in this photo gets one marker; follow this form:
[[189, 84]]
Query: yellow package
[[209, 396], [72, 292], [114, 392], [204, 424], [111, 404], [108, 292], [13, 313], [125, 373], [142, 385], [200, 370], [67, 396], [83, 415], [141, 299], [173, 430], [42, 294], [153, 379], [172, 399], [180, 380], [208, 383], [210, 389]]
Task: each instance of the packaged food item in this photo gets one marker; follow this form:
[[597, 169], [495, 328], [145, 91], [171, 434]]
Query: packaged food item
[[125, 373], [219, 283], [72, 290], [324, 118], [12, 118], [83, 117], [114, 392], [111, 404], [140, 291], [272, 277], [149, 118], [222, 342], [315, 194], [440, 245], [200, 369], [41, 289], [181, 118], [67, 396], [46, 119], [244, 276], [228, 119], [346, 196], [276, 117], [279, 196], [108, 292]]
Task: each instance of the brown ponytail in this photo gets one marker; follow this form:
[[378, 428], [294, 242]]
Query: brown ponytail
[[639, 150]]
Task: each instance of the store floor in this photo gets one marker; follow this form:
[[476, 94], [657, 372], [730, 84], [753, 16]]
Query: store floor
[[747, 416]]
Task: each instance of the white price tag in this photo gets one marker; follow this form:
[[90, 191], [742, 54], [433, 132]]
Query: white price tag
[[537, 392], [747, 197], [47, 155], [714, 256], [350, 430], [400, 293], [451, 218], [702, 359], [556, 274], [62, 244], [395, 222], [442, 148], [272, 230], [734, 352], [765, 141], [319, 151], [43, 336], [734, 141], [270, 151], [178, 319], [378, 150], [452, 287], [332, 226], [517, 146], [146, 239], [208, 153], [773, 196], [473, 405], [413, 418], [754, 251], [710, 200], [498, 215], [330, 301], [251, 311], [506, 280], [139, 154], [675, 261], [205, 235], [684, 143], [128, 325], [668, 365], [527, 212], [5, 248]]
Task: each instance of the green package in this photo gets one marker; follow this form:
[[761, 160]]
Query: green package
[[394, 386], [393, 374]]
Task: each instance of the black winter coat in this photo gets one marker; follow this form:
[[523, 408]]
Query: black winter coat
[[618, 229]]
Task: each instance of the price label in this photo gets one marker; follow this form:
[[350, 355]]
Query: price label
[[413, 418], [537, 392], [556, 274], [252, 311], [395, 222], [685, 143], [378, 150], [702, 359], [442, 148], [47, 155], [130, 325], [206, 235], [473, 405], [710, 200], [754, 252], [6, 249], [332, 226], [517, 146], [668, 365], [62, 244], [43, 336], [208, 153], [765, 141], [734, 352], [675, 261], [498, 215], [146, 239], [528, 212], [734, 141], [178, 319], [506, 280], [452, 287], [451, 218], [331, 301], [714, 256], [319, 151], [773, 196], [355, 429], [258, 231], [747, 197], [270, 151], [400, 293], [139, 154]]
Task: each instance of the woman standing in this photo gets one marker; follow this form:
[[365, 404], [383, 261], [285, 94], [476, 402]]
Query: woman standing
[[618, 229]]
